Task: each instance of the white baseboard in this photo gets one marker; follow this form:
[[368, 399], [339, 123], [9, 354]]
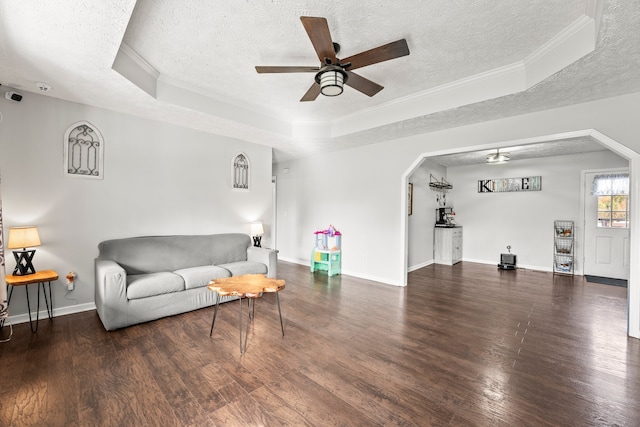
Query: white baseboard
[[63, 311], [419, 266], [520, 266], [385, 281], [295, 261], [307, 263], [79, 308]]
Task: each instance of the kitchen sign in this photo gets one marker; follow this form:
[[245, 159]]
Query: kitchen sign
[[501, 185]]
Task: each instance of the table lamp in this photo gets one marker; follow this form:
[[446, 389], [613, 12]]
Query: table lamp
[[257, 231], [23, 237]]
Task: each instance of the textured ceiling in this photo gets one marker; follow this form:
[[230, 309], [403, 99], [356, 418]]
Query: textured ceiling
[[561, 147], [200, 57], [203, 45]]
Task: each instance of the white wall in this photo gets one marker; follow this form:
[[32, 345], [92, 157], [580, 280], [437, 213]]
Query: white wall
[[354, 190], [360, 190], [162, 179], [420, 223], [523, 220], [159, 179]]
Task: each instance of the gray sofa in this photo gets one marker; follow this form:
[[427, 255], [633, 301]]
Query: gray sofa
[[139, 279]]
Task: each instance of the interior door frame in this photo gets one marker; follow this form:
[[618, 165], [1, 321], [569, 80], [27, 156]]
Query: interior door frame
[[580, 252], [274, 213]]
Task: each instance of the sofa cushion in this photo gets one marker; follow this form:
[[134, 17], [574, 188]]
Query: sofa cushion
[[245, 267], [153, 254], [197, 277], [148, 285]]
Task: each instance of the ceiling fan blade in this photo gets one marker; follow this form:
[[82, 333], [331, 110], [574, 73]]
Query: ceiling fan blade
[[379, 54], [312, 93], [318, 31], [365, 86], [286, 69]]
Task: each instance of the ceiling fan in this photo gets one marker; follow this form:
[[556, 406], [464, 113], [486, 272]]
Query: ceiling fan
[[333, 73]]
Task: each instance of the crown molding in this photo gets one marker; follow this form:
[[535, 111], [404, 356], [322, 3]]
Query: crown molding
[[572, 43], [196, 98], [136, 69], [480, 87], [593, 9]]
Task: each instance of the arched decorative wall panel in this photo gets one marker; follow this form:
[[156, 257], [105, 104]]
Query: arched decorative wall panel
[[240, 172], [83, 151]]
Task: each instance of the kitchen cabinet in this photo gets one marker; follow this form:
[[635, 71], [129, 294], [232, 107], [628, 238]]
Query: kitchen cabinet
[[447, 245]]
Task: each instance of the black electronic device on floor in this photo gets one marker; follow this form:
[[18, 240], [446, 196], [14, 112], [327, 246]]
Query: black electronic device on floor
[[507, 261]]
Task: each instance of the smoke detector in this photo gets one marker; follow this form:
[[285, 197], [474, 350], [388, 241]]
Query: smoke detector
[[44, 87]]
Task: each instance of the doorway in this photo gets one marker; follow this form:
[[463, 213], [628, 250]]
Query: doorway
[[634, 230], [606, 229]]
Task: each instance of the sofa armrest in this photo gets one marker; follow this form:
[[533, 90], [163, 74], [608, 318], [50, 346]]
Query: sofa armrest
[[268, 257], [110, 293]]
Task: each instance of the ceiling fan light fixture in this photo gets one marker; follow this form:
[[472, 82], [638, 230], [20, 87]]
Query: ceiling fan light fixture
[[498, 158], [331, 80], [331, 83], [331, 76]]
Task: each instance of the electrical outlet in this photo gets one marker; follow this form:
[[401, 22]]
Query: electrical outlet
[[70, 280]]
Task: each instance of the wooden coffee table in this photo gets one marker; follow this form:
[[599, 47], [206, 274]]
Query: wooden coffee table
[[251, 287]]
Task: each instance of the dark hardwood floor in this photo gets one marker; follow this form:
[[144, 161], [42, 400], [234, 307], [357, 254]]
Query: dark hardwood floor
[[460, 346]]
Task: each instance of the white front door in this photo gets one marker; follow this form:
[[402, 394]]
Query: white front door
[[606, 250]]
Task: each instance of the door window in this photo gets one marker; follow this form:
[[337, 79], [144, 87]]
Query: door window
[[612, 191]]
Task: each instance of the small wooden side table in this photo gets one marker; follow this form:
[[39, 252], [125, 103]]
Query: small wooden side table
[[251, 287], [39, 277]]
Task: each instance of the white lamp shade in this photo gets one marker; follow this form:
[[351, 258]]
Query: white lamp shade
[[23, 237], [257, 229], [331, 83]]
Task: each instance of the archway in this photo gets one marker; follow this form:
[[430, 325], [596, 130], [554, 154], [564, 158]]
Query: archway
[[633, 325]]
